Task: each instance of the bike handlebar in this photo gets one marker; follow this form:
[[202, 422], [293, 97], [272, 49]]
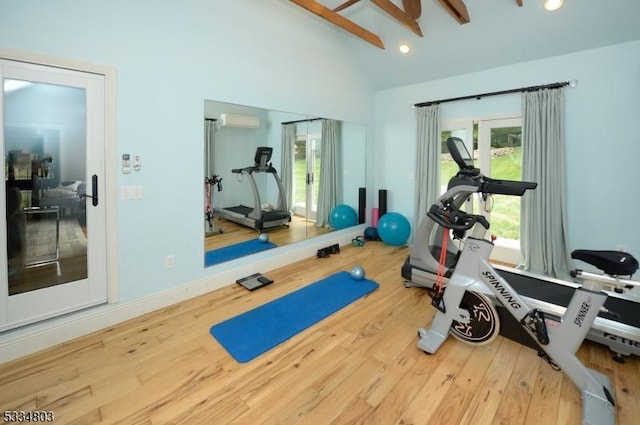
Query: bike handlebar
[[455, 219]]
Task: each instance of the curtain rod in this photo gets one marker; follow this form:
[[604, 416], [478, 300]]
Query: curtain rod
[[211, 119], [496, 93], [307, 120]]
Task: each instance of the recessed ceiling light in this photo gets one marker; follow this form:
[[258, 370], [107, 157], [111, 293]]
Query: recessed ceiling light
[[552, 5], [404, 48]]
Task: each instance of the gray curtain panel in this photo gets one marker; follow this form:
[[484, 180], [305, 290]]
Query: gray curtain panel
[[543, 226], [286, 167], [330, 176], [209, 146], [428, 154]]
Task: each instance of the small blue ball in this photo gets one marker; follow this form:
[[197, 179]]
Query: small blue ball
[[371, 234], [357, 273], [264, 238]]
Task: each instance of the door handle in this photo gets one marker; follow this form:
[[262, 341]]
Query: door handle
[[94, 190]]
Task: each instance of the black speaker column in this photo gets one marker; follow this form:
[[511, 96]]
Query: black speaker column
[[362, 204], [382, 202]]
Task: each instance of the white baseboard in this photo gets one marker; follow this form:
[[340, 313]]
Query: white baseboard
[[39, 336]]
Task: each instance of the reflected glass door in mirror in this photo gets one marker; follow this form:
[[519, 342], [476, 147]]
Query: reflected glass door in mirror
[[233, 134]]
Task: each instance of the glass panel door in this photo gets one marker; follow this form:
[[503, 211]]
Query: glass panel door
[[53, 145], [306, 173], [500, 143], [46, 224], [313, 169], [300, 176]]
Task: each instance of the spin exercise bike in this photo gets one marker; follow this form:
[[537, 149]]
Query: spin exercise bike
[[209, 182], [434, 255], [466, 308]]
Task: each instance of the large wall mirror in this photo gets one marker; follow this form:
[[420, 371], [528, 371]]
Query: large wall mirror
[[276, 174]]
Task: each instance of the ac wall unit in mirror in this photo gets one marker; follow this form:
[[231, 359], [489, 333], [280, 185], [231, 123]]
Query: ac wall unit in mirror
[[271, 178]]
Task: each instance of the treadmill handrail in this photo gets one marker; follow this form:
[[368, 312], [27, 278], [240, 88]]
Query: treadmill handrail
[[506, 187], [254, 169], [488, 185], [469, 175]]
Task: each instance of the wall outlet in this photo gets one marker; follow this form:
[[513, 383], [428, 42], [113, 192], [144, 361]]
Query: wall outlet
[[169, 261], [131, 192]]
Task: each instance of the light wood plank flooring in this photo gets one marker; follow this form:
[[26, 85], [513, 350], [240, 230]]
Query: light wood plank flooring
[[299, 229], [359, 366]]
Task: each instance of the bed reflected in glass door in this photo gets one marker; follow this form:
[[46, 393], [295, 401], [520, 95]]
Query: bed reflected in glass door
[[46, 214]]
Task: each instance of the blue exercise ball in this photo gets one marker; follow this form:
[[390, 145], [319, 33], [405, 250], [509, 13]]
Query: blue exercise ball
[[343, 216], [357, 273], [394, 229]]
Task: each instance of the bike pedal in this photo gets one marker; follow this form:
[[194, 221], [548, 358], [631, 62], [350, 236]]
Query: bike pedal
[[436, 301], [541, 327], [534, 322]]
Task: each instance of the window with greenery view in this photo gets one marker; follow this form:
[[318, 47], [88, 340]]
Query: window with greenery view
[[501, 158]]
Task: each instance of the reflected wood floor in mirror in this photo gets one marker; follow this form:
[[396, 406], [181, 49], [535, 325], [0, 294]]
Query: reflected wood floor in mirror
[[358, 366], [299, 229]]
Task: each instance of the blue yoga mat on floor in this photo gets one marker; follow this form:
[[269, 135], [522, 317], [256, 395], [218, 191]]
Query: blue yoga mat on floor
[[252, 333], [231, 252]]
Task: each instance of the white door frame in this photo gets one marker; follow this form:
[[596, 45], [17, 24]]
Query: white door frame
[[109, 194]]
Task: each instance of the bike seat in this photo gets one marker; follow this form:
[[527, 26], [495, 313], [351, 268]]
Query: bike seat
[[615, 263]]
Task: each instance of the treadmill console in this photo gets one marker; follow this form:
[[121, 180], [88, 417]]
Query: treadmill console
[[460, 153], [263, 156]]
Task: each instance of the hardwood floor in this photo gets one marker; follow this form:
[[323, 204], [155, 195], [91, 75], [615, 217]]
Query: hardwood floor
[[359, 366], [299, 229]]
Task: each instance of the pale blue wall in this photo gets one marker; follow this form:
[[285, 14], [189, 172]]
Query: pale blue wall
[[603, 145], [169, 57]]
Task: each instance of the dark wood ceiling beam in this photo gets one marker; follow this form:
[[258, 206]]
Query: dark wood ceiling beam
[[336, 19], [413, 8], [399, 15], [345, 5], [457, 9]]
